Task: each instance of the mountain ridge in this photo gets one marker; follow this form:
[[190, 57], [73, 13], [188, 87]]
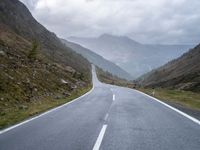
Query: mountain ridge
[[98, 60], [181, 73], [37, 71], [17, 17], [134, 57]]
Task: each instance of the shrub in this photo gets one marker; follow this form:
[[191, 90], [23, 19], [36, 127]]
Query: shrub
[[34, 51]]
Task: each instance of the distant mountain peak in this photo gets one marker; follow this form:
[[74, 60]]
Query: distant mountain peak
[[98, 60], [107, 36]]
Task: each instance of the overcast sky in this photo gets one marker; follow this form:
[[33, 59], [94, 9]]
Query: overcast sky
[[146, 21]]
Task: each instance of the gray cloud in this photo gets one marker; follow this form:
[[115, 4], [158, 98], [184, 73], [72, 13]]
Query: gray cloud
[[147, 21]]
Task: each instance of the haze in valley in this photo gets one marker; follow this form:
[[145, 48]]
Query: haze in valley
[[136, 35]]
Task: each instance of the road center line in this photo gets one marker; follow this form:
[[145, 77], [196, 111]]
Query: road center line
[[113, 97], [100, 137], [106, 117]]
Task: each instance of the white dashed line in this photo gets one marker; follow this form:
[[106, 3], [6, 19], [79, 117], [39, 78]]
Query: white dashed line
[[100, 138], [113, 97], [106, 117]]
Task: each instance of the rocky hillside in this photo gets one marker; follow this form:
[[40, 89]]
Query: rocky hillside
[[98, 60], [15, 16], [133, 57], [182, 73], [37, 71]]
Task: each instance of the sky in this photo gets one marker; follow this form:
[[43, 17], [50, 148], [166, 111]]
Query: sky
[[146, 21]]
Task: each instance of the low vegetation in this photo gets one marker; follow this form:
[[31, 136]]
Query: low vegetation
[[108, 78], [180, 98], [34, 51], [182, 73], [186, 99], [30, 82], [13, 113]]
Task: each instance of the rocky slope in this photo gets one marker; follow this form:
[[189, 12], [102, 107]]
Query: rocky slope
[[36, 69], [98, 60], [181, 73], [15, 15]]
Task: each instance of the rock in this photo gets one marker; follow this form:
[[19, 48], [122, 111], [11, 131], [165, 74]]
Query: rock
[[10, 77], [23, 107], [74, 86], [34, 73], [2, 99], [66, 94], [70, 69], [2, 66], [186, 86], [35, 89], [2, 53], [80, 83], [27, 80], [10, 57], [57, 97], [63, 81]]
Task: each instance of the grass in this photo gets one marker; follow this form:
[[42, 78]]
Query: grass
[[30, 82], [14, 115], [186, 99], [108, 78]]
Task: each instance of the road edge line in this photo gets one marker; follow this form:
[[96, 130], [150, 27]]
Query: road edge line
[[45, 113], [173, 108]]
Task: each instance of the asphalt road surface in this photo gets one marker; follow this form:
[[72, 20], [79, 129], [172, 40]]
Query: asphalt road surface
[[107, 118]]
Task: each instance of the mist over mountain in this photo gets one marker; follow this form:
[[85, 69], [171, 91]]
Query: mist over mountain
[[134, 57], [98, 60], [180, 73]]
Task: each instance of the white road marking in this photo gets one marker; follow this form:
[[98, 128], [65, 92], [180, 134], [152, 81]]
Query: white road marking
[[113, 97], [178, 111], [106, 117], [100, 137], [45, 113]]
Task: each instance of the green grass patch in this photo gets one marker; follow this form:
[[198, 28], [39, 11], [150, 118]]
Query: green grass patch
[[13, 114], [186, 99], [108, 78]]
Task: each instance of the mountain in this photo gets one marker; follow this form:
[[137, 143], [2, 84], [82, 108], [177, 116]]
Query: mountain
[[181, 73], [37, 71], [132, 56], [15, 16], [98, 60]]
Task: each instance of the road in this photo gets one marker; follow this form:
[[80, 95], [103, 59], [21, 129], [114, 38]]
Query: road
[[107, 118]]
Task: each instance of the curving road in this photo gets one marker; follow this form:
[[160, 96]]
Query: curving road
[[107, 118]]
